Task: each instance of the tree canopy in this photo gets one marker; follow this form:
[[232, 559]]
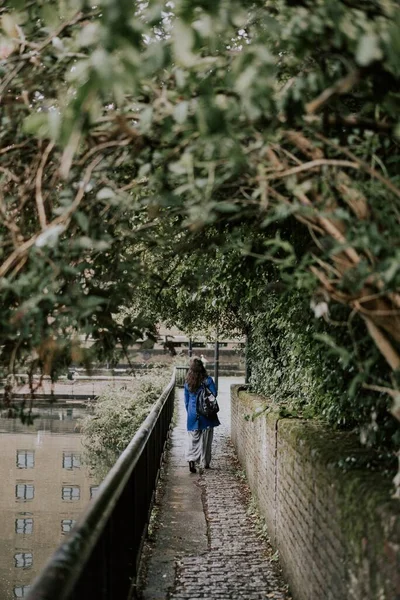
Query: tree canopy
[[256, 140]]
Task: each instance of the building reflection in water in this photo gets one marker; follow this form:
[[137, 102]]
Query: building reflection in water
[[44, 488]]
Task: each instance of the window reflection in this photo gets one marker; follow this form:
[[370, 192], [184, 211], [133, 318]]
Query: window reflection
[[93, 491], [71, 460], [67, 525], [21, 591], [24, 491], [23, 560], [24, 525], [71, 492], [25, 459]]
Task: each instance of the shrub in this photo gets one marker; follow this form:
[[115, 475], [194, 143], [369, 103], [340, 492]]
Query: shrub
[[118, 414]]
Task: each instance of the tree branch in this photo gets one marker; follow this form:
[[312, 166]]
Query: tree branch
[[383, 344]]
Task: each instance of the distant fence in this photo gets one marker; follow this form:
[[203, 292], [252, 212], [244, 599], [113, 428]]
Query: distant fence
[[181, 373], [100, 558], [79, 387]]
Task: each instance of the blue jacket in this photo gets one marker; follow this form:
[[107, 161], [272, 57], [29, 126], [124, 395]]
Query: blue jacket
[[194, 422]]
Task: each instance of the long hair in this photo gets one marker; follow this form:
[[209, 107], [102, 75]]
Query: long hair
[[196, 374]]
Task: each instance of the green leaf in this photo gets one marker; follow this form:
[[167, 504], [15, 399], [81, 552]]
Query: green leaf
[[368, 50], [105, 193], [146, 117], [82, 220], [37, 124], [340, 351], [183, 40], [50, 15], [181, 112], [227, 207]]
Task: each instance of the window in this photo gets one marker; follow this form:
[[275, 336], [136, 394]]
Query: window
[[93, 491], [21, 591], [71, 460], [24, 525], [71, 492], [25, 459], [23, 560], [67, 525], [24, 491]]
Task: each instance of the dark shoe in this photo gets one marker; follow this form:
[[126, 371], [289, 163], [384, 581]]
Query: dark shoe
[[192, 468], [206, 466]]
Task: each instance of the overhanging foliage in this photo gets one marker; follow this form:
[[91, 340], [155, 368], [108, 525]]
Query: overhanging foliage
[[130, 122]]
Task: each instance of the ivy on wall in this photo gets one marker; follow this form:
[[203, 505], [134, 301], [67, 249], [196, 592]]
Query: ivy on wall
[[303, 366]]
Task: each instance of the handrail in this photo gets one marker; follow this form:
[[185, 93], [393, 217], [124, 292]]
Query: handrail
[[62, 573]]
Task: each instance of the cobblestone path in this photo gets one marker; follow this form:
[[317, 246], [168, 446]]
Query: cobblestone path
[[207, 545]]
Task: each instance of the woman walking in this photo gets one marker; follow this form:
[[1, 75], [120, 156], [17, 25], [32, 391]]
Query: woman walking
[[200, 428]]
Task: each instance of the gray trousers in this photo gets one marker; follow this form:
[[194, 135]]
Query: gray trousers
[[200, 441]]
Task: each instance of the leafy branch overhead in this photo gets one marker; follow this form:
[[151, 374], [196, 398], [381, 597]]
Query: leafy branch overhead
[[130, 128]]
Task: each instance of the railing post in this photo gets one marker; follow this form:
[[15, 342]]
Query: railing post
[[216, 363]]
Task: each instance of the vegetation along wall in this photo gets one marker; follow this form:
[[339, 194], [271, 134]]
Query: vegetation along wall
[[333, 521]]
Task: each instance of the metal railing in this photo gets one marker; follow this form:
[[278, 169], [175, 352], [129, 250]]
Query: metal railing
[[100, 558]]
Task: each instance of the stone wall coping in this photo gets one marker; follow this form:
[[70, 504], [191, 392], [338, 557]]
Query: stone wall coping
[[253, 402]]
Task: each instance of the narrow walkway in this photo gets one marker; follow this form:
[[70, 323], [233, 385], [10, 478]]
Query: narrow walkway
[[206, 544]]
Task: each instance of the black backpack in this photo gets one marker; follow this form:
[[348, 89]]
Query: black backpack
[[206, 403]]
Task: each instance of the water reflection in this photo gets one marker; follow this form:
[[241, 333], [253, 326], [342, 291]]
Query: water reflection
[[44, 488]]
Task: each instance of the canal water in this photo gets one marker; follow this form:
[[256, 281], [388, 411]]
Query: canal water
[[45, 485]]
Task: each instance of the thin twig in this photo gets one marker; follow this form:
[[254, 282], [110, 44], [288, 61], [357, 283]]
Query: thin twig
[[328, 267], [10, 174], [39, 196], [63, 219], [365, 166], [314, 237], [41, 47], [303, 144], [321, 162], [343, 86], [13, 147], [351, 122], [103, 146], [375, 312], [288, 154], [333, 231], [381, 389]]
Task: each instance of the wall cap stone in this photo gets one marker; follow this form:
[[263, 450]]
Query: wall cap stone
[[256, 404]]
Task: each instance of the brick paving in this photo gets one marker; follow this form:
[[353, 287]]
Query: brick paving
[[219, 555]]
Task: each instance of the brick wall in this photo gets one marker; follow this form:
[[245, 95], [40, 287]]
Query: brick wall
[[254, 441], [337, 531]]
